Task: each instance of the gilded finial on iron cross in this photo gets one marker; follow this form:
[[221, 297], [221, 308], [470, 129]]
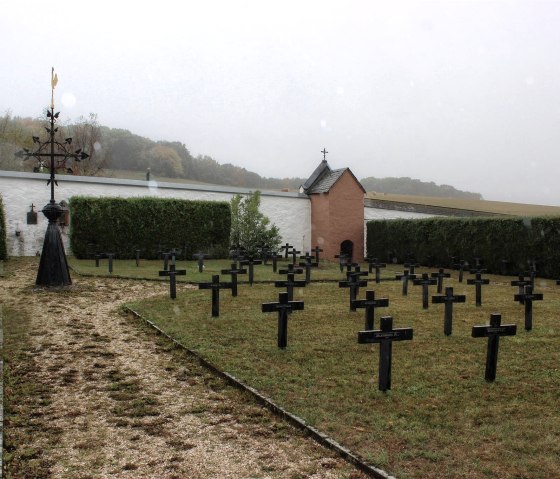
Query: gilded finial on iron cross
[[54, 81]]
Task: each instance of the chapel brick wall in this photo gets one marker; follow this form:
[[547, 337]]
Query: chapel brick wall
[[338, 216], [347, 214]]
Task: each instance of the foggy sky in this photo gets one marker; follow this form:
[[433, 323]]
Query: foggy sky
[[465, 93]]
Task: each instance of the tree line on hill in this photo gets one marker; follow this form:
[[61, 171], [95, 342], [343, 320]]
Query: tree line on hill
[[119, 149], [410, 186]]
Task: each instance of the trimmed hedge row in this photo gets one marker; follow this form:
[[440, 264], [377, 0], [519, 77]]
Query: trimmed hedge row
[[123, 225], [434, 241], [3, 248]]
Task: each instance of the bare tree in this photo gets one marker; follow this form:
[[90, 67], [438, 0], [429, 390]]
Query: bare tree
[[86, 135]]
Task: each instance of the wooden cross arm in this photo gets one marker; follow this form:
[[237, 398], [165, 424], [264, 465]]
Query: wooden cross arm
[[288, 271], [234, 271], [355, 274], [284, 283], [421, 281], [460, 298], [254, 261], [487, 331], [521, 282], [349, 284], [177, 272], [443, 275], [479, 281], [402, 275], [364, 303], [290, 306], [528, 297], [305, 263], [397, 334], [220, 285]]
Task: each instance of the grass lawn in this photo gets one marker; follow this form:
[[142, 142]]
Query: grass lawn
[[148, 269], [440, 419]]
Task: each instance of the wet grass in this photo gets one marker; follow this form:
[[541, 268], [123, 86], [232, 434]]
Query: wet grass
[[440, 419], [149, 269]]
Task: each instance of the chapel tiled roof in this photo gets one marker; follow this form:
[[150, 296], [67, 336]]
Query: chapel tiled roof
[[323, 179], [325, 182]]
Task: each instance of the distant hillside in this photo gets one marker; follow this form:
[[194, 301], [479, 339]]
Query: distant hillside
[[410, 186], [120, 150]]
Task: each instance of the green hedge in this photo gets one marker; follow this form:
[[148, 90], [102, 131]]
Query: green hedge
[[434, 241], [3, 249], [123, 225]]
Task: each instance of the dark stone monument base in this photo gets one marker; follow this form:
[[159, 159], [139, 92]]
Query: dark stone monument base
[[53, 267]]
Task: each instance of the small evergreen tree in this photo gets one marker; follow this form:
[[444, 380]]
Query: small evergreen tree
[[251, 229]]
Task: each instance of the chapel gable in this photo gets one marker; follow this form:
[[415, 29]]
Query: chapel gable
[[337, 211]]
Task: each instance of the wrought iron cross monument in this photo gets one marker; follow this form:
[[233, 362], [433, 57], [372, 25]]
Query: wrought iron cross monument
[[53, 267]]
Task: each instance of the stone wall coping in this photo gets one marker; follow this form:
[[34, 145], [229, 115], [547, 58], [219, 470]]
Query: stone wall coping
[[421, 208], [150, 184]]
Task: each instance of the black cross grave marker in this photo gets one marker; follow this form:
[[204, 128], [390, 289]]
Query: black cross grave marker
[[98, 257], [250, 262], [528, 297], [234, 271], [353, 283], [165, 255], [137, 251], [440, 275], [411, 266], [385, 336], [478, 281], [461, 266], [373, 263], [448, 299], [405, 277], [493, 333], [287, 247], [110, 256], [173, 273], [294, 254], [521, 282], [369, 304], [215, 286], [317, 250], [425, 281], [274, 256], [290, 282], [308, 263], [343, 259], [237, 253], [283, 306], [532, 273], [200, 256]]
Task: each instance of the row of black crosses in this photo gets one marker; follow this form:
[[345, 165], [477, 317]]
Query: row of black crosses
[[387, 334]]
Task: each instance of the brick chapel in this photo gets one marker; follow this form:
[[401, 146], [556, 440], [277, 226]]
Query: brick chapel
[[337, 211]]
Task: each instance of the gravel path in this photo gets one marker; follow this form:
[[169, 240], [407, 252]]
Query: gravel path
[[119, 401]]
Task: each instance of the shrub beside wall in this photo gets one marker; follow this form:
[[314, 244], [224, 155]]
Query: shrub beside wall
[[126, 224], [434, 241], [3, 248]]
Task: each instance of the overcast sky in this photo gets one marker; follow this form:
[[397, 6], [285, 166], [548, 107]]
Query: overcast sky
[[465, 93]]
